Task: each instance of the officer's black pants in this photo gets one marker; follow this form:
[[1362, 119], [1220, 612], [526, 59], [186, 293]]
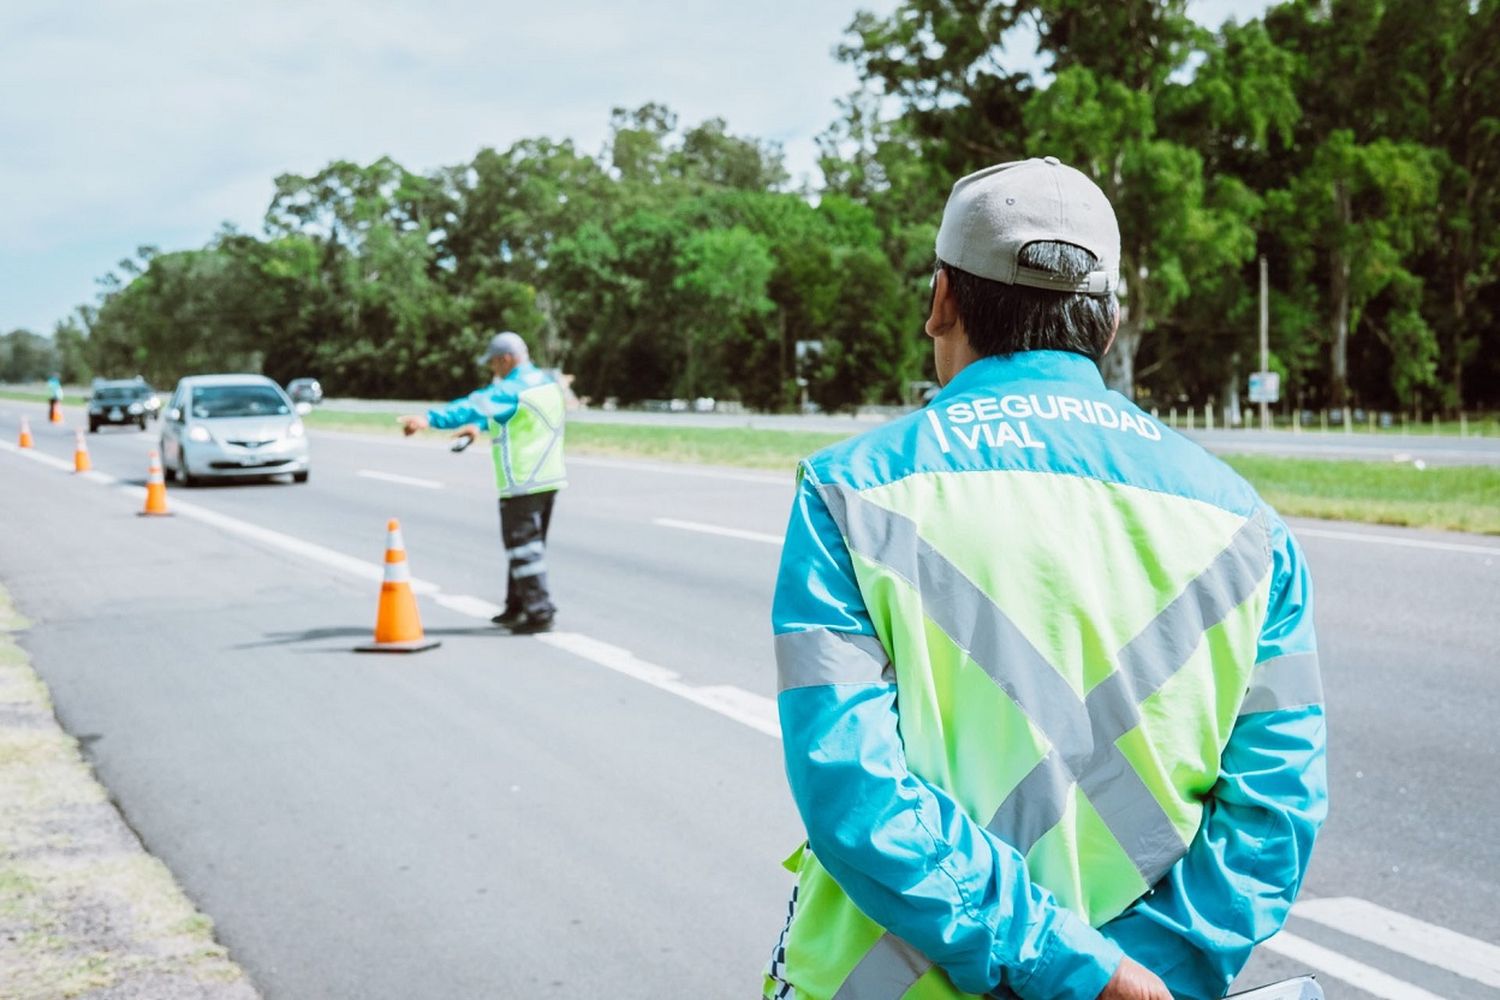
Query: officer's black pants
[[523, 527]]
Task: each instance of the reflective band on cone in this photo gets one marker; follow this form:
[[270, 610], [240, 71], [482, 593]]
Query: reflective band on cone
[[156, 490], [81, 461], [398, 626], [24, 441]]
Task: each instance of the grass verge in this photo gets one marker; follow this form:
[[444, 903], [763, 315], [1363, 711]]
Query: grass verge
[[1452, 498], [84, 910]]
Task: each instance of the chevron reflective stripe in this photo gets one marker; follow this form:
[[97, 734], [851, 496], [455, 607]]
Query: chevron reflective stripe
[[1291, 681], [1082, 731], [886, 972], [1114, 788], [822, 656]]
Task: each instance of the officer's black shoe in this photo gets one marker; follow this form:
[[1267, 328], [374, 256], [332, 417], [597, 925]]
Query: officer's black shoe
[[509, 619], [531, 625]]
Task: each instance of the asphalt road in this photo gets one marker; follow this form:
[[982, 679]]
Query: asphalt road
[[602, 811]]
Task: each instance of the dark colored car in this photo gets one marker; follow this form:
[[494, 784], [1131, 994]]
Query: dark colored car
[[305, 390], [120, 402]]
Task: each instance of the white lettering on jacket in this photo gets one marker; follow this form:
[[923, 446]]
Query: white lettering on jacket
[[1007, 421]]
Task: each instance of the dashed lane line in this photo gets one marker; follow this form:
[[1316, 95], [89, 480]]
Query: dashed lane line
[[717, 529], [1427, 943], [1341, 967], [393, 477], [1407, 543]]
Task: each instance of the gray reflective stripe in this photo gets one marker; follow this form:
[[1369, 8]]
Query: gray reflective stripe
[[529, 569], [526, 551], [1083, 732], [1161, 648], [823, 656], [968, 616], [887, 971], [1291, 681], [1035, 805]]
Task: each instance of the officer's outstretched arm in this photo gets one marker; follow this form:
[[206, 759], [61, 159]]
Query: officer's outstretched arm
[[493, 402], [906, 854], [1234, 887]]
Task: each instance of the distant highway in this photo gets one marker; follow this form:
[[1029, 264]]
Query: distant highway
[[602, 811], [1360, 445]]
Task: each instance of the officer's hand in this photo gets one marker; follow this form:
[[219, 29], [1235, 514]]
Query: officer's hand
[[1133, 981], [410, 425]]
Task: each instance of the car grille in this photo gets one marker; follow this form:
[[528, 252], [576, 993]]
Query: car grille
[[252, 444], [269, 464]]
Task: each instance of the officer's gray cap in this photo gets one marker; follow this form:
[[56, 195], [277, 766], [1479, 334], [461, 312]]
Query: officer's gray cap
[[505, 343], [995, 212]]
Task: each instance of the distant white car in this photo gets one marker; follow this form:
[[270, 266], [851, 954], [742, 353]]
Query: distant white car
[[223, 426]]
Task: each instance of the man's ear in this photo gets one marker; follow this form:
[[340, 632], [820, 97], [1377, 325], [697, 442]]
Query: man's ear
[[942, 311]]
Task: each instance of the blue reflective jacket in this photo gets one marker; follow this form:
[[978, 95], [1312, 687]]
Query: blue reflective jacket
[[496, 401], [910, 858]]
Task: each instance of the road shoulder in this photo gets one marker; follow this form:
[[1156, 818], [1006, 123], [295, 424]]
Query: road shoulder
[[85, 911]]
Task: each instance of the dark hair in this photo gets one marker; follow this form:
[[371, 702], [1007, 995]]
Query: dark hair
[[1005, 319]]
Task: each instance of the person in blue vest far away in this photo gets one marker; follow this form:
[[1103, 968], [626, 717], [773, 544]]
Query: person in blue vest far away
[[523, 409], [1049, 690]]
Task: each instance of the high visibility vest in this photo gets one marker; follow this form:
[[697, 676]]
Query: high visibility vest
[[528, 448], [1074, 697]]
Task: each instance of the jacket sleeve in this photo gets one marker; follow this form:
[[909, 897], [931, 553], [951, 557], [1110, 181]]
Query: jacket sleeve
[[905, 853], [1234, 887], [494, 402]]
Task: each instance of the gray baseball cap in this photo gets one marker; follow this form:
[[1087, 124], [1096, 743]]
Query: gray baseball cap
[[502, 344], [995, 212]]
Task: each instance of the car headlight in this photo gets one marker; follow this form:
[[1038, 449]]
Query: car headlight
[[296, 430], [137, 409], [199, 433]]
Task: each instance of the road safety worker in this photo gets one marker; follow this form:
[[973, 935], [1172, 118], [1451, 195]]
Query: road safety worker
[[524, 408], [1049, 689], [54, 397]]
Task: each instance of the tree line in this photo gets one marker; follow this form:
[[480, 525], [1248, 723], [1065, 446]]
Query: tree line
[[1355, 144]]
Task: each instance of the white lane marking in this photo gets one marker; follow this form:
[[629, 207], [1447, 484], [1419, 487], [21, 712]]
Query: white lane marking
[[466, 604], [37, 456], [687, 469], [717, 529], [1428, 943], [752, 710], [391, 477], [1356, 974], [1408, 543]]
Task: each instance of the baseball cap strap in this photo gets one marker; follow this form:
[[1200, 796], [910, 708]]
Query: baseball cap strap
[[1094, 283]]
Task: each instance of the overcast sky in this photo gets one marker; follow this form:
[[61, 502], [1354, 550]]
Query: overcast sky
[[129, 122]]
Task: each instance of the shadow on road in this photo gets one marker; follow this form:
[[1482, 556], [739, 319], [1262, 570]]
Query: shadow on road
[[319, 634]]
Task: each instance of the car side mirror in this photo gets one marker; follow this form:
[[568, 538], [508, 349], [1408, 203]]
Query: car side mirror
[[303, 408], [174, 415]]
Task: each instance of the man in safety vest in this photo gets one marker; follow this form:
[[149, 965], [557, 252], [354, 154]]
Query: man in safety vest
[[1049, 689], [525, 407]]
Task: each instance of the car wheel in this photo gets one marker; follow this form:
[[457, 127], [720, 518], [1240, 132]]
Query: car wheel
[[300, 477], [93, 427], [141, 423], [183, 475]]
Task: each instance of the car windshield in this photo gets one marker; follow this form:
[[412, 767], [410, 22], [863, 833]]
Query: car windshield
[[119, 394], [214, 401]]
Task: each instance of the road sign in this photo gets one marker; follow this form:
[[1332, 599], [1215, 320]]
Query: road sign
[[1265, 387]]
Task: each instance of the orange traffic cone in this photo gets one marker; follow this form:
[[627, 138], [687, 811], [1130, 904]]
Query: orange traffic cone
[[25, 439], [54, 412], [156, 490], [398, 627], [81, 461]]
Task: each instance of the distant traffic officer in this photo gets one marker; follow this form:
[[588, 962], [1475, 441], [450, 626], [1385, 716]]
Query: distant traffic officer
[[524, 409], [1049, 690]]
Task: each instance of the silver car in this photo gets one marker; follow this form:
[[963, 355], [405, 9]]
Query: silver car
[[221, 426]]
